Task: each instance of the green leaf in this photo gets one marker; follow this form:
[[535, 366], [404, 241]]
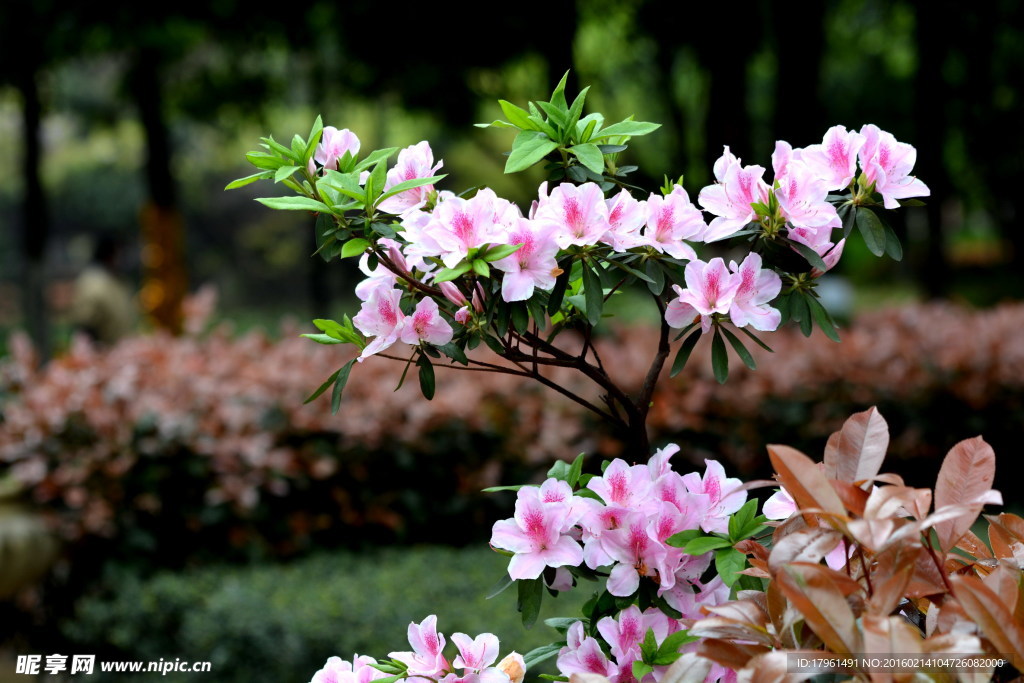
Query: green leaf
[[684, 353], [528, 148], [373, 159], [559, 470], [575, 471], [267, 162], [496, 123], [812, 256], [586, 126], [276, 146], [629, 128], [410, 185], [719, 358], [339, 386], [594, 294], [531, 592], [354, 247], [729, 562], [284, 172], [294, 204], [481, 268], [822, 317], [558, 95], [500, 586], [517, 116], [494, 489], [682, 538], [872, 229], [576, 110], [501, 251], [426, 376], [705, 544], [673, 643], [756, 340], [740, 349], [323, 387], [449, 274], [641, 669], [656, 277], [454, 352], [561, 624], [558, 291], [242, 182], [848, 214], [315, 133], [540, 654], [590, 156], [893, 248], [911, 202], [322, 338]]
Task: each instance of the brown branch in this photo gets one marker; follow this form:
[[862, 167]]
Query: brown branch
[[405, 275], [651, 380]]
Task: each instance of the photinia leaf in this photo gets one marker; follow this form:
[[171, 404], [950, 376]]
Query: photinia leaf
[[811, 589], [859, 447], [989, 612], [804, 481], [966, 476]]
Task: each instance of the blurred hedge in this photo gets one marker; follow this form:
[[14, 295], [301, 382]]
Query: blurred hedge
[[282, 622], [202, 444]]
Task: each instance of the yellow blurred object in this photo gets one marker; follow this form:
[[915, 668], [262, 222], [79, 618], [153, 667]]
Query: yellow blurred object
[[164, 280], [27, 547]]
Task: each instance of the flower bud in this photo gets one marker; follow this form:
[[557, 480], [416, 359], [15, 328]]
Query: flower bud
[[452, 293], [514, 666], [311, 167]]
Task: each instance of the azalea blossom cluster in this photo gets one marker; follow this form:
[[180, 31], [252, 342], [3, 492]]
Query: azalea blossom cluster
[[474, 663], [619, 523], [438, 232]]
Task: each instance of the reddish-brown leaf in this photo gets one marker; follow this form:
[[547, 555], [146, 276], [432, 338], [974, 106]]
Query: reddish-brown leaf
[[690, 668], [853, 497], [812, 589], [1006, 534], [1006, 582], [889, 635], [802, 478], [967, 473], [889, 590], [860, 449], [989, 612], [728, 653], [807, 545], [974, 546], [927, 580], [775, 667]]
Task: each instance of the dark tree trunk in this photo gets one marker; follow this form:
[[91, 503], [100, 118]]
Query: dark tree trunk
[[35, 219], [165, 282], [930, 117]]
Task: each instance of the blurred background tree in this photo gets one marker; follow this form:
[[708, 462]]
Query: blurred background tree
[[129, 118]]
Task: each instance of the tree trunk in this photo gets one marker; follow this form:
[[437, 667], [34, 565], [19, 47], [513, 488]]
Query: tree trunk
[[35, 214]]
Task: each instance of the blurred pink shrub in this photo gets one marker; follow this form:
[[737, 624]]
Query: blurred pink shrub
[[211, 433]]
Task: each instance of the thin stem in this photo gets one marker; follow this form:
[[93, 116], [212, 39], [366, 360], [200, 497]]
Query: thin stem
[[402, 273], [651, 380]]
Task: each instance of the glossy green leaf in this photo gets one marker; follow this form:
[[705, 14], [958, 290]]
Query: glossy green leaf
[[871, 228], [719, 358], [590, 156], [354, 247], [528, 148], [339, 386], [293, 204]]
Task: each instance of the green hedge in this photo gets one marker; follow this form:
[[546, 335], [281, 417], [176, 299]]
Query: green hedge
[[280, 623]]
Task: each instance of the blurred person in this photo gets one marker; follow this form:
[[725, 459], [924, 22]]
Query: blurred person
[[102, 305]]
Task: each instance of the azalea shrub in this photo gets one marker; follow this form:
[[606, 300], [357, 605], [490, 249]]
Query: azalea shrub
[[678, 560]]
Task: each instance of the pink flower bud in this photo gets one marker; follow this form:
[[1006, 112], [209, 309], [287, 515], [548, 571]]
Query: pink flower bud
[[311, 167], [452, 293], [462, 315]]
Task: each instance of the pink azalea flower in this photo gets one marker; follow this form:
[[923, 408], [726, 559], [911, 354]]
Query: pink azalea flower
[[583, 654], [710, 289], [333, 145], [689, 601], [835, 159], [337, 670], [758, 286], [731, 197], [380, 277], [724, 494], [426, 325], [427, 658], [577, 215], [887, 163], [535, 536], [598, 520], [802, 195], [625, 632], [415, 161], [636, 553], [533, 265], [380, 317], [622, 484], [453, 294], [626, 216], [672, 219], [456, 226], [477, 653]]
